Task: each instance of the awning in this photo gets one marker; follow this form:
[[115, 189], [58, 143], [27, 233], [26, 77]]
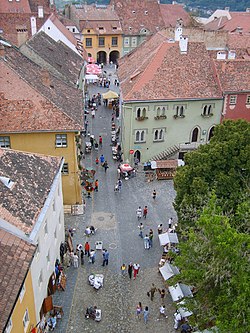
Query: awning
[[110, 94], [168, 237], [180, 291], [167, 271]]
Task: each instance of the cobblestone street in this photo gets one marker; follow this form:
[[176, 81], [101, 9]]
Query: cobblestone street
[[114, 215]]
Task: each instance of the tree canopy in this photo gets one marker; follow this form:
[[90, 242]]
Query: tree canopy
[[222, 166]]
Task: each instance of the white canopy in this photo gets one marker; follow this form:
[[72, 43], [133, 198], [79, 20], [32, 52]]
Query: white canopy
[[167, 271], [168, 237], [180, 291]]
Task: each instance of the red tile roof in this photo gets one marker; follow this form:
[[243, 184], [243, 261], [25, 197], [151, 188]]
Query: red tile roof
[[33, 175], [234, 75], [171, 13], [157, 70], [15, 258], [137, 15], [32, 100]]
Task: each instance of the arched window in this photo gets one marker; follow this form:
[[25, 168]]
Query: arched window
[[195, 134], [156, 135], [211, 133], [138, 113], [137, 136]]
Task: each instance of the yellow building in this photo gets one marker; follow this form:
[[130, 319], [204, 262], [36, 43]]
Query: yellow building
[[17, 310], [101, 29], [41, 114]]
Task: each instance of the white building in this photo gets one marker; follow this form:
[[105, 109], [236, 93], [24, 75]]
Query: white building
[[31, 206]]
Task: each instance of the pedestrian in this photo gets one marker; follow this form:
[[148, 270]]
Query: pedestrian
[[140, 226], [139, 310], [145, 211], [139, 213], [105, 165], [152, 291], [87, 248], [105, 258], [136, 268], [96, 185], [170, 221], [146, 314], [130, 270], [150, 236], [75, 260], [162, 294], [159, 229], [119, 183], [146, 243], [82, 257], [102, 159], [177, 320], [123, 269], [162, 312], [100, 141], [92, 256], [154, 194]]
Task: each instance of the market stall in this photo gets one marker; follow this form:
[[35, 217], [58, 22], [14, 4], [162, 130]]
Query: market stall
[[165, 169]]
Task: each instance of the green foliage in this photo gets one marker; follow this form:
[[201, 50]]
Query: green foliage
[[222, 166], [215, 259]]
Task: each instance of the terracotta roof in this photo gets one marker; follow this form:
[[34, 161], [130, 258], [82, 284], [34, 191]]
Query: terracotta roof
[[34, 100], [15, 258], [171, 13], [156, 70], [11, 22], [136, 15], [93, 13], [238, 19], [107, 27], [33, 175], [234, 75], [21, 6], [66, 63]]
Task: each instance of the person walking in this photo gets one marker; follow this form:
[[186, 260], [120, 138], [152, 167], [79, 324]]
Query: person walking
[[162, 294], [140, 226], [145, 211], [87, 249], [154, 194], [146, 314], [136, 268], [130, 270], [105, 258], [146, 243], [139, 310], [123, 269], [139, 213], [150, 236], [102, 159], [152, 291]]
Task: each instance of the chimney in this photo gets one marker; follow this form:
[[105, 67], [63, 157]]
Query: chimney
[[231, 54], [183, 44], [45, 77], [2, 51], [40, 11], [33, 25], [221, 55]]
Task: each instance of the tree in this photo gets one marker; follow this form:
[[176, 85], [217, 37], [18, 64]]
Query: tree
[[215, 260], [222, 166]]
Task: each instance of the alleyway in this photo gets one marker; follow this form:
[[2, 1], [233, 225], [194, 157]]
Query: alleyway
[[114, 214]]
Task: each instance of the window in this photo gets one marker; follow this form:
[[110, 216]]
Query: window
[[158, 134], [61, 140], [8, 327], [22, 292], [88, 42], [46, 228], [4, 141], [207, 110], [248, 100], [101, 41], [233, 100], [26, 320], [114, 41], [140, 136], [134, 41], [65, 169], [179, 111], [126, 41]]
